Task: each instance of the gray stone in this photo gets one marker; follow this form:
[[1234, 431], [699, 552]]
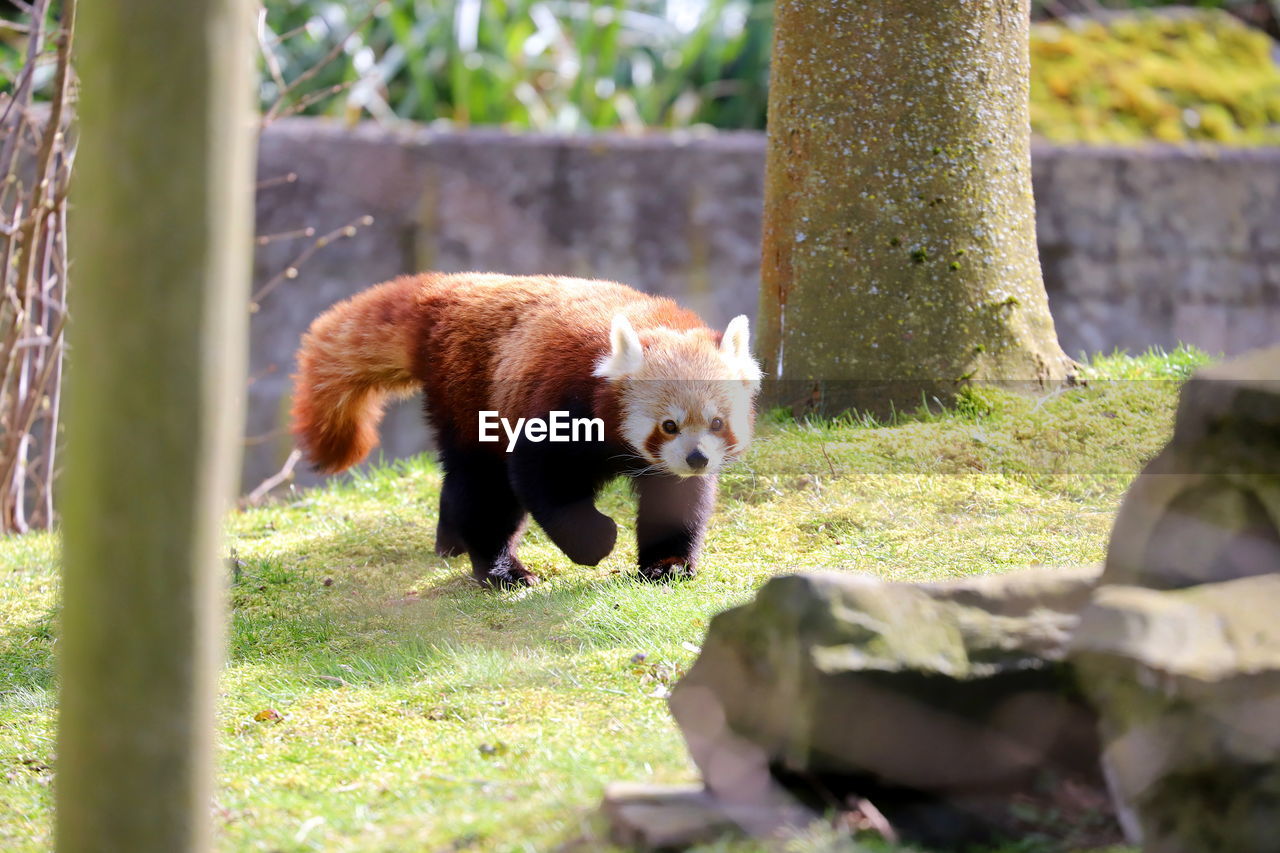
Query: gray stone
[[674, 817], [649, 817], [936, 702], [1207, 508], [1188, 686]]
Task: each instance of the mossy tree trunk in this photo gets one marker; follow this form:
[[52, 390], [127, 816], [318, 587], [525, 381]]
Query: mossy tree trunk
[[899, 240], [160, 235]]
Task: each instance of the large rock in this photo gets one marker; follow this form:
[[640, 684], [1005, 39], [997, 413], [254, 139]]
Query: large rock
[[1188, 684], [1207, 508], [939, 703]]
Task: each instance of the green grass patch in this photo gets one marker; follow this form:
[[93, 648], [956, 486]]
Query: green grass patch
[[374, 699]]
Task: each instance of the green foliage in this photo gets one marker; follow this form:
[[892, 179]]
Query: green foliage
[[374, 699], [1188, 77], [570, 65], [547, 64]]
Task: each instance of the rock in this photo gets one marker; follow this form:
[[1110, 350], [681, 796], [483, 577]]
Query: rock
[[673, 817], [1188, 686], [936, 702], [1207, 508], [662, 817]]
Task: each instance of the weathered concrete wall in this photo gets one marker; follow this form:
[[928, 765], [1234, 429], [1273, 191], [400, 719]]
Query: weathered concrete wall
[[1138, 247], [1154, 246]]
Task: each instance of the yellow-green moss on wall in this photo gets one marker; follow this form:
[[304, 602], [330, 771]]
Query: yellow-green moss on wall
[[1201, 76]]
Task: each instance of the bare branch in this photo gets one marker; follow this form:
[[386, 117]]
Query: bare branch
[[263, 438], [290, 178], [266, 239], [266, 371], [291, 271], [49, 140], [284, 235], [24, 78], [315, 97], [285, 473], [288, 34], [269, 55], [33, 272], [274, 112]]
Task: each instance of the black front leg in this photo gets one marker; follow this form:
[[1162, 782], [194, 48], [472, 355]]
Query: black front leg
[[670, 523], [558, 487]]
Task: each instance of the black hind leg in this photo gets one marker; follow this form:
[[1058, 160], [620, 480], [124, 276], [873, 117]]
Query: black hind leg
[[449, 542], [484, 513]]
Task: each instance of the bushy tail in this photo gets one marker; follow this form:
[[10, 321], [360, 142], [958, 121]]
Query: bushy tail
[[354, 356]]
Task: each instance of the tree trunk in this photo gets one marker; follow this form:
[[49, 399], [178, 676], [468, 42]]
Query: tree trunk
[[161, 234], [899, 237]]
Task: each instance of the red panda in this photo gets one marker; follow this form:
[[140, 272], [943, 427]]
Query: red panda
[[676, 400]]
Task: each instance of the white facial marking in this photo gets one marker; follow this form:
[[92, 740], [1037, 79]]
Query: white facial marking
[[676, 452], [683, 378]]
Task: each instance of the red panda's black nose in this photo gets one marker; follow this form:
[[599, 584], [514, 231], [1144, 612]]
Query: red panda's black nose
[[697, 460]]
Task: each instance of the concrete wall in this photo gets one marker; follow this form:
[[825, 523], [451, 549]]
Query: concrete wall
[[1138, 247], [1154, 246]]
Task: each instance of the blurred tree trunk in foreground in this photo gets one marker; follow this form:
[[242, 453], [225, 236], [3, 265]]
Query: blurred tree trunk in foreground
[[161, 231], [899, 238]]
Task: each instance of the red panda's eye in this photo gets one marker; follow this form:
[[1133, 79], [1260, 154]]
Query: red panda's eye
[[670, 427], [716, 424]]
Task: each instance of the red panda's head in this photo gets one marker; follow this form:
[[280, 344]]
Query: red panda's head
[[687, 402]]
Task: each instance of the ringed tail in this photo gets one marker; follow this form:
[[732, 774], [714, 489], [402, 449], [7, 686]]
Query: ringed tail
[[353, 358]]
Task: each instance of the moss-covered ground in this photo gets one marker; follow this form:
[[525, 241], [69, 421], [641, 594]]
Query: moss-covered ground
[[1201, 76], [373, 699]]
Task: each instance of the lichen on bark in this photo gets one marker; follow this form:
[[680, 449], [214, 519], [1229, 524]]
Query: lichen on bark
[[899, 253]]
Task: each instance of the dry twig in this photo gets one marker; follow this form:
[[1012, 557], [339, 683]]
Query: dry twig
[[276, 108], [35, 165], [291, 270], [283, 475]]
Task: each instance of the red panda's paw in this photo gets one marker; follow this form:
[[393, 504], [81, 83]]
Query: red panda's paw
[[672, 568], [507, 573]]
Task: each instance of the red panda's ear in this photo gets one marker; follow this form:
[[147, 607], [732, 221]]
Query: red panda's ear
[[735, 346], [626, 355]]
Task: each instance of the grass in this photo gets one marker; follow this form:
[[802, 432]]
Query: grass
[[373, 699]]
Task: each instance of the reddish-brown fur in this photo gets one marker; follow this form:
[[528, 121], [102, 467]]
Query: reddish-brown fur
[[470, 341]]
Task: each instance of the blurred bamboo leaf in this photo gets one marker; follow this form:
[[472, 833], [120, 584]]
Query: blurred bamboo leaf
[[575, 65], [564, 65]]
